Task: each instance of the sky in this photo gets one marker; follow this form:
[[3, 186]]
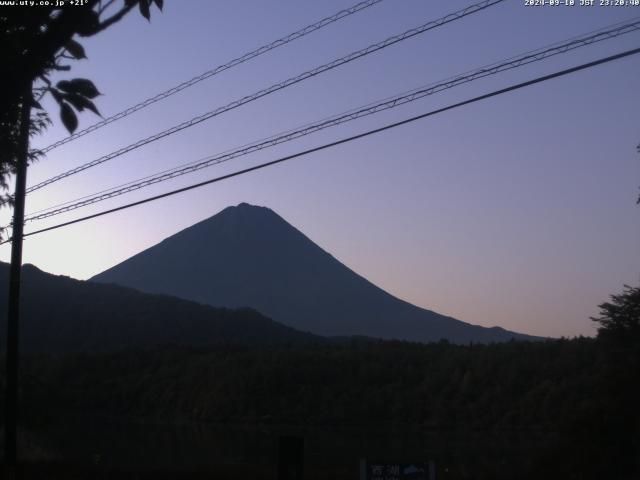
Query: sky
[[517, 211]]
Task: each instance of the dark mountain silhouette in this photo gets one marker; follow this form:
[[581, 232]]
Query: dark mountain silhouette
[[248, 256], [60, 314]]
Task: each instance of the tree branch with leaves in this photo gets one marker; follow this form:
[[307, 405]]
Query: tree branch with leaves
[[34, 44]]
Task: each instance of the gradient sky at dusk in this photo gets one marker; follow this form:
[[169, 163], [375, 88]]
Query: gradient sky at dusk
[[518, 211]]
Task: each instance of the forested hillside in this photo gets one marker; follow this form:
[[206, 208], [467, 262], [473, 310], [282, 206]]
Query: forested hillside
[[578, 394], [530, 385], [64, 315]]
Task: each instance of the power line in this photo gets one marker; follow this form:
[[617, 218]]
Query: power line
[[511, 88], [276, 87], [602, 33], [219, 69], [392, 102]]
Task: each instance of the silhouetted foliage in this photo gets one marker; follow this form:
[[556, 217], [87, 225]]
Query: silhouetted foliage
[[37, 41], [620, 318], [619, 339], [551, 388], [512, 385]]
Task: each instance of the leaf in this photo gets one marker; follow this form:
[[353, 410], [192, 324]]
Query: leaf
[[75, 49], [75, 100], [82, 86], [144, 9], [56, 95], [89, 23], [64, 85], [80, 103], [85, 87], [159, 4], [68, 117]]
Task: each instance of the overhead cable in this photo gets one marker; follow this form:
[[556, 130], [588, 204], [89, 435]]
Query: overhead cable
[[274, 88], [518, 86], [216, 70], [392, 102]]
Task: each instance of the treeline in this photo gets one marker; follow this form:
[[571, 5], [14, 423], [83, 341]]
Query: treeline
[[541, 385], [579, 390]]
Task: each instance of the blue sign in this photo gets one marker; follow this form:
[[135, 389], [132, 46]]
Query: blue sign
[[372, 470]]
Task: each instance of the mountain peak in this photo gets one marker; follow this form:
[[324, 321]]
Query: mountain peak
[[249, 256], [248, 205], [245, 210]]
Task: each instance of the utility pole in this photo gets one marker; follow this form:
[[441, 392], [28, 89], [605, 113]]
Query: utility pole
[[13, 314]]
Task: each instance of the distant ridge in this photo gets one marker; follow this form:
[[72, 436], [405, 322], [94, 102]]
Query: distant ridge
[[249, 256], [62, 315]]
